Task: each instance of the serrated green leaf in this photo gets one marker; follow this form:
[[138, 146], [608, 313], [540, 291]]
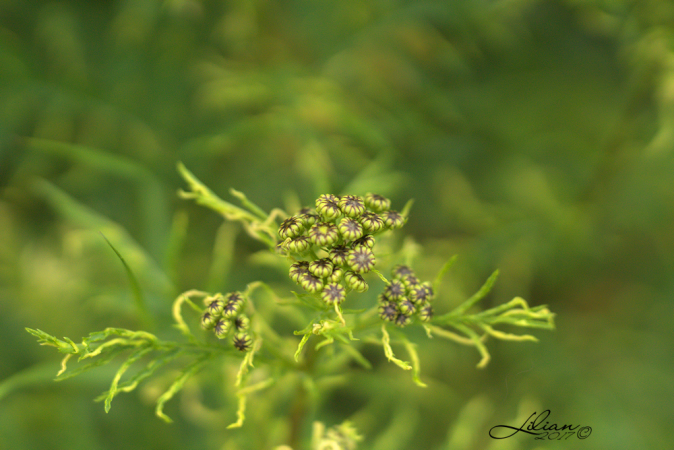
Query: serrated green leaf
[[187, 372], [131, 384], [104, 359], [135, 356], [52, 341], [304, 340], [252, 207], [388, 351]]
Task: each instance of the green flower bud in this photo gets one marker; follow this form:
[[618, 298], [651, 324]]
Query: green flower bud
[[336, 275], [393, 219], [388, 311], [429, 288], [351, 205], [242, 322], [339, 254], [406, 306], [350, 229], [208, 320], [323, 234], [311, 283], [419, 294], [221, 328], [371, 222], [395, 290], [298, 245], [242, 342], [328, 206], [333, 293], [233, 305], [326, 198], [426, 313], [367, 241], [291, 227], [298, 269], [281, 249], [321, 267], [400, 271], [361, 259], [355, 281], [234, 297], [231, 309], [309, 219], [382, 299], [214, 305], [401, 320], [410, 282], [377, 203]]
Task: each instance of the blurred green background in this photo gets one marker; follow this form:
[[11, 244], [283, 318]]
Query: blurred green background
[[535, 137]]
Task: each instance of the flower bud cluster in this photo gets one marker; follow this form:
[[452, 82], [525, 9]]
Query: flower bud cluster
[[224, 316], [405, 297], [343, 229]]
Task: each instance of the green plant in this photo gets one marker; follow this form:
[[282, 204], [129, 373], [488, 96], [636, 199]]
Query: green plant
[[334, 252]]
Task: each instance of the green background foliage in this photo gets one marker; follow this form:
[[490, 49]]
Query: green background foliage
[[535, 137]]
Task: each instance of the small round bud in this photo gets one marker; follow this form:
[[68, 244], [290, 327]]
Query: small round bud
[[400, 271], [371, 222], [419, 294], [350, 229], [393, 219], [426, 313], [221, 328], [336, 275], [388, 311], [326, 198], [234, 297], [242, 342], [395, 290], [241, 322], [298, 245], [429, 288], [328, 206], [355, 281], [214, 305], [231, 309], [351, 205], [291, 227], [308, 219], [298, 269], [382, 299], [323, 234], [401, 320], [234, 303], [333, 293], [367, 241], [406, 307], [208, 320], [377, 203], [321, 267], [311, 283], [410, 282], [339, 254], [281, 249], [361, 259]]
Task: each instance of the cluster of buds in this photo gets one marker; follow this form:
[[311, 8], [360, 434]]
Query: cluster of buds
[[332, 245], [404, 297], [224, 316]]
